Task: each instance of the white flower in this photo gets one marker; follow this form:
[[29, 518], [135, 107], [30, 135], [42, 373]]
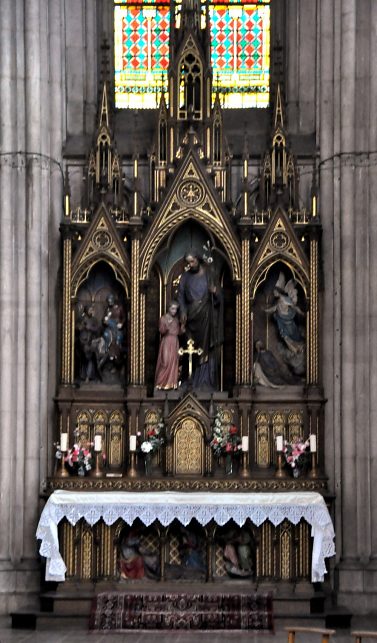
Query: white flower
[[146, 447]]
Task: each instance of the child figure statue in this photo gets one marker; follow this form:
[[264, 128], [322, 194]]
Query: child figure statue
[[167, 362]]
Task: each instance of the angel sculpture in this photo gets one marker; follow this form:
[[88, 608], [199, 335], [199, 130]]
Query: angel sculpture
[[285, 310]]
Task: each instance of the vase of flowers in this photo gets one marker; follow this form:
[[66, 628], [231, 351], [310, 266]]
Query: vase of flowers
[[152, 443], [78, 459], [225, 440], [297, 455]]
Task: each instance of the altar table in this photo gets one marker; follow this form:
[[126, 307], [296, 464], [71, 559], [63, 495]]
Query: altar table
[[165, 506]]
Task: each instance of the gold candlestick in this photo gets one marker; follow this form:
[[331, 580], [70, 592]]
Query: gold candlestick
[[313, 473], [63, 473], [132, 472], [96, 472], [245, 471], [280, 471]]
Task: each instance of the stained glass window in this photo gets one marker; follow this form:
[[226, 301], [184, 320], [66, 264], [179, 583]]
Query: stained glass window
[[240, 52]]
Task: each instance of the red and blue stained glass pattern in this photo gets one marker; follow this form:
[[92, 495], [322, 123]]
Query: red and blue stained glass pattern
[[141, 54], [240, 52]]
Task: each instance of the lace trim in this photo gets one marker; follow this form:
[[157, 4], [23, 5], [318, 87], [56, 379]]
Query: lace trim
[[316, 515]]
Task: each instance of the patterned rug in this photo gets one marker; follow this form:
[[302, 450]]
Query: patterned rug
[[117, 611]]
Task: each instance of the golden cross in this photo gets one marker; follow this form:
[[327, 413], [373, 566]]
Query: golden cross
[[191, 351]]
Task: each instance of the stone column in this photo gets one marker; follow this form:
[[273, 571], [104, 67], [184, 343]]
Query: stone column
[[372, 230], [347, 133], [30, 181], [330, 246], [9, 439]]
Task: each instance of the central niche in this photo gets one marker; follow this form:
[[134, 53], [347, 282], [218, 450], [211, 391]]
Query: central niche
[[163, 286]]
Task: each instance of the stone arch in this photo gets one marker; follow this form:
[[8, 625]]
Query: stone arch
[[82, 272], [170, 225]]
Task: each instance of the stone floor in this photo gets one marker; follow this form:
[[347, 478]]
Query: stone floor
[[7, 635]]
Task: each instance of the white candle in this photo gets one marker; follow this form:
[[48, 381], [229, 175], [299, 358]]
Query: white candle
[[313, 443], [245, 443], [98, 442], [279, 443], [132, 442], [64, 441]]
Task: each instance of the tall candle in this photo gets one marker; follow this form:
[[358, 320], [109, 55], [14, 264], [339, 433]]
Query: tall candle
[[98, 442], [313, 443], [132, 442], [245, 443], [279, 443], [64, 441]]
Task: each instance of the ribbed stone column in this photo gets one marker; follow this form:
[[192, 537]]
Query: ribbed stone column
[[349, 308], [301, 16], [348, 445], [8, 288], [30, 198], [330, 247], [35, 212], [57, 137], [363, 286], [372, 229]]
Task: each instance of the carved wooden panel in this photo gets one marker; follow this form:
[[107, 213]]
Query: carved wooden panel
[[262, 441], [188, 448]]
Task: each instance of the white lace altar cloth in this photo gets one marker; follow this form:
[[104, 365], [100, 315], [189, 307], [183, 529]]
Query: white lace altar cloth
[[165, 506]]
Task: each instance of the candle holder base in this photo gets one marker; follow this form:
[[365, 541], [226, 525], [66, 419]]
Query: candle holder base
[[62, 472], [97, 471], [132, 472], [313, 473], [245, 471], [280, 471]]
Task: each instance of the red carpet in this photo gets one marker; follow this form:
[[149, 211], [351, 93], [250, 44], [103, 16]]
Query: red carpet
[[119, 611]]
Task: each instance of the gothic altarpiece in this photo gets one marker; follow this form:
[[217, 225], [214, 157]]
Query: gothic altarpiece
[[123, 262]]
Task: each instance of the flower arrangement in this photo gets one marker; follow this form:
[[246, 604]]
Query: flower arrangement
[[225, 438], [153, 440], [297, 454], [79, 459]]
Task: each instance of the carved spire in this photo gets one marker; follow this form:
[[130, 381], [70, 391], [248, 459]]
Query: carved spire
[[191, 15], [104, 166], [279, 180], [278, 110]]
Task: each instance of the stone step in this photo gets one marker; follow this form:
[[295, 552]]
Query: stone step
[[71, 603]]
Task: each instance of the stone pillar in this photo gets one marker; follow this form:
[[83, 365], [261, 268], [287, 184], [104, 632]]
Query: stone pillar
[[372, 230], [300, 45], [9, 438], [30, 181], [329, 211], [347, 84]]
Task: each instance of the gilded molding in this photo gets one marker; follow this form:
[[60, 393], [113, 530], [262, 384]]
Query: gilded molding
[[245, 327], [171, 484], [135, 320], [313, 314], [67, 347]]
